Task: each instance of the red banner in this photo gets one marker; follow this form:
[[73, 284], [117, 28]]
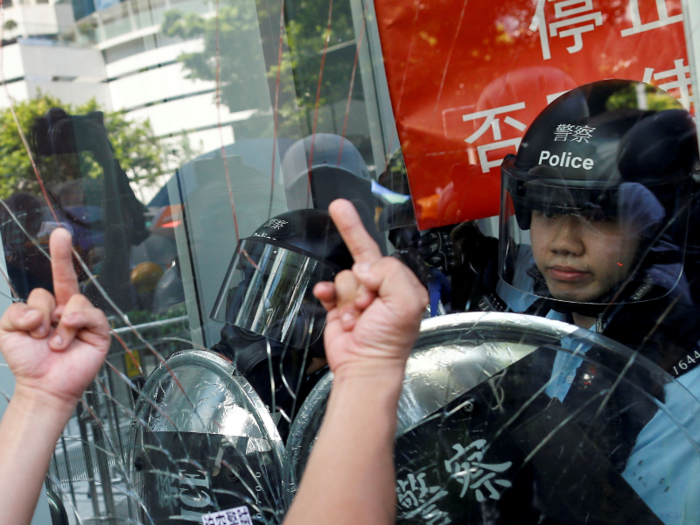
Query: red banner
[[468, 76]]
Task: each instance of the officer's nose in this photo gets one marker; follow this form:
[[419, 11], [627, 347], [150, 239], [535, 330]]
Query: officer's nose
[[568, 236]]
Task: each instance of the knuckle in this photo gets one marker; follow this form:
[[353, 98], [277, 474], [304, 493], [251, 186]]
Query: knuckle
[[391, 262], [390, 265], [16, 308], [78, 301], [41, 300], [101, 318], [344, 277], [14, 312], [39, 294]]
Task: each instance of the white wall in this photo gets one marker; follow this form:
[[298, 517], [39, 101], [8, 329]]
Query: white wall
[[72, 74], [201, 141], [12, 65], [16, 90], [38, 19], [55, 60], [187, 113], [154, 85], [151, 57]]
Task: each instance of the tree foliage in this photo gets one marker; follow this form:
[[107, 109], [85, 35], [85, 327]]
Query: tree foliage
[[241, 64], [135, 147], [628, 98], [248, 51]]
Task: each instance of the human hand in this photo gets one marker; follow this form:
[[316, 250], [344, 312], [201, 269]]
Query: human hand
[[55, 345], [374, 310]]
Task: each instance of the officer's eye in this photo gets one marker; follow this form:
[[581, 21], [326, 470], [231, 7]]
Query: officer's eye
[[595, 215], [549, 215]]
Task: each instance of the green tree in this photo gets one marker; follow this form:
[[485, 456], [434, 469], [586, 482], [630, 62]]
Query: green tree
[[628, 98], [135, 147], [248, 51], [240, 65]]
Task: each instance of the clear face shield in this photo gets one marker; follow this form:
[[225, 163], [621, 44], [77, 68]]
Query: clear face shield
[[590, 241], [268, 290]]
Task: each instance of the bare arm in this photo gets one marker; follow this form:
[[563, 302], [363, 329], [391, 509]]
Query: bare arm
[[54, 347], [374, 314]]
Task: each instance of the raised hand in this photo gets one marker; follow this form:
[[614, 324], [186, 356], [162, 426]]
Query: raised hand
[[374, 314], [374, 310], [55, 345]]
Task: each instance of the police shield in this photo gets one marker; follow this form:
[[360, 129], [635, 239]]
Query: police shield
[[203, 442], [507, 418]]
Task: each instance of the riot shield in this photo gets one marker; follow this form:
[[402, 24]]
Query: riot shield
[[507, 418], [203, 442]]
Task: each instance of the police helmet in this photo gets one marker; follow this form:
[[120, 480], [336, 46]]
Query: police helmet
[[611, 156], [268, 289]]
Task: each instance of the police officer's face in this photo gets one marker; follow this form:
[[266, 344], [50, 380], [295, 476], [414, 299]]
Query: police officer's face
[[581, 260]]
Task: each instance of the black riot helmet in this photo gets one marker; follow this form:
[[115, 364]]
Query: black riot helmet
[[612, 162], [323, 167], [268, 289], [273, 322]]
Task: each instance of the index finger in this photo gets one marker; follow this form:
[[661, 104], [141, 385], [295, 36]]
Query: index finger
[[359, 242], [65, 280]]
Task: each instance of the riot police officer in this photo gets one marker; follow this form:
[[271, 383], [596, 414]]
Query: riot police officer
[[273, 322], [593, 231]]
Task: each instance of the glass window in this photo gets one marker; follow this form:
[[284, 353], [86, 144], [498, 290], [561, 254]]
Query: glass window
[[533, 160]]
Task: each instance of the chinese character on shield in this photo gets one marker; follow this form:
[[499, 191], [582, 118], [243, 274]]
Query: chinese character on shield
[[466, 467], [563, 131], [417, 499]]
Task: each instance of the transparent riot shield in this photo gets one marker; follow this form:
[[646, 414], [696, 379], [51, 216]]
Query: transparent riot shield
[[506, 418], [203, 442]]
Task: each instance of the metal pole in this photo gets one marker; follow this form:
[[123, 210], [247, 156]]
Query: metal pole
[[51, 484], [148, 326], [68, 470], [115, 415], [88, 461], [102, 465]]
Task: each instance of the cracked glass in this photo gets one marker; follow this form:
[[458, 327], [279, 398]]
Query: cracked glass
[[192, 149]]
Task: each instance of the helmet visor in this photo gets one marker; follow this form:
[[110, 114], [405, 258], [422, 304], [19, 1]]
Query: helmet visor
[[588, 242], [268, 290]]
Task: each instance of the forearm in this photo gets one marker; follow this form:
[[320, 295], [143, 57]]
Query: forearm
[[350, 477], [28, 433]]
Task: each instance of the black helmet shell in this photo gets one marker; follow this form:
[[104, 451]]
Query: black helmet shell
[[308, 231], [584, 145], [620, 155]]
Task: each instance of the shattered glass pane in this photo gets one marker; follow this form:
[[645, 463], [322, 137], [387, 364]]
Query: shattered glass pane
[[537, 422], [192, 149]]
